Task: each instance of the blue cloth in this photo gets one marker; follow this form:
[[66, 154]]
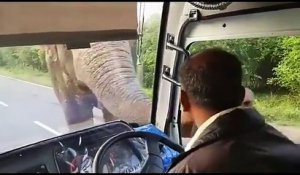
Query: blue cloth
[[167, 153]]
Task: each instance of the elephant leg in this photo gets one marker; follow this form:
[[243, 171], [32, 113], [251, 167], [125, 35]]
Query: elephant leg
[[86, 104], [89, 100], [64, 87], [71, 111], [79, 112], [79, 105], [107, 116]]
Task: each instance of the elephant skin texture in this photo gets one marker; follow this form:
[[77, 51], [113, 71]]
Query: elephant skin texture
[[101, 76]]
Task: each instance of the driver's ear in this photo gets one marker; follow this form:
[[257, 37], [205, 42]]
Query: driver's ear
[[185, 101]]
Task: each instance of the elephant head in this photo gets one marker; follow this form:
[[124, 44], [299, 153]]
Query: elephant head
[[103, 73], [107, 69]]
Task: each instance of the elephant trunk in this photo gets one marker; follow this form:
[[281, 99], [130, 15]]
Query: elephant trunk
[[107, 69]]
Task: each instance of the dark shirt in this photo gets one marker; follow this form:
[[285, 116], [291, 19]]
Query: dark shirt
[[240, 141]]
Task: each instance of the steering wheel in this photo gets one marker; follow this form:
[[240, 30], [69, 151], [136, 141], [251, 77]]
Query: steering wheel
[[153, 163]]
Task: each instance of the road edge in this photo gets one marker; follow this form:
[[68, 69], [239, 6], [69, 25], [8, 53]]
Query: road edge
[[26, 82]]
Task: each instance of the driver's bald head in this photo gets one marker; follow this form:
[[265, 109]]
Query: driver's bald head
[[213, 79], [216, 58]]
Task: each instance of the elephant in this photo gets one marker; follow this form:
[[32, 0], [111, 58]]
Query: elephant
[[101, 76]]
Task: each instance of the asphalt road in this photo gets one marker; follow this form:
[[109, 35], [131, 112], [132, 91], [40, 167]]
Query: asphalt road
[[24, 108], [30, 113]]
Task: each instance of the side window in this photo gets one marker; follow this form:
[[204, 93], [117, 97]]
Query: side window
[[271, 70]]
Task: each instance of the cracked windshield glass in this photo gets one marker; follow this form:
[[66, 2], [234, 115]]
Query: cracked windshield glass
[[271, 77], [48, 90]]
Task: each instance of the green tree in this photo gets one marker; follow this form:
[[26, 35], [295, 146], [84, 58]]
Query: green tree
[[23, 57], [10, 57], [149, 49], [258, 56], [42, 59], [288, 72]]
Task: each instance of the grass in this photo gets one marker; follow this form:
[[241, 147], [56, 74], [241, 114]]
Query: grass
[[282, 109], [41, 77], [27, 75]]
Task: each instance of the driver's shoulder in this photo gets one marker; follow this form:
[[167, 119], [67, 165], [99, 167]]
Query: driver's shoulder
[[205, 158], [214, 153]]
